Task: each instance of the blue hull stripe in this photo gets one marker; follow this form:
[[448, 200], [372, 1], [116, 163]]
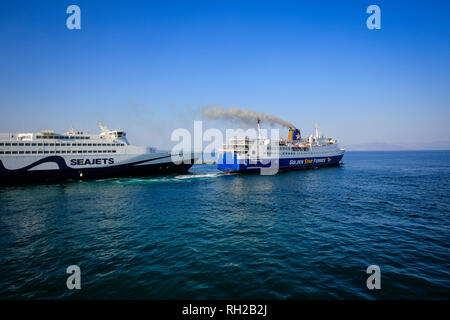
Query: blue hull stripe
[[229, 163]]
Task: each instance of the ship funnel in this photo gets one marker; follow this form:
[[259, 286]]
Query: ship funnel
[[294, 134]]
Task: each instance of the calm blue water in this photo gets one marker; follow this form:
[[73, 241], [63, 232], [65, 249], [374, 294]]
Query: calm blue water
[[300, 235]]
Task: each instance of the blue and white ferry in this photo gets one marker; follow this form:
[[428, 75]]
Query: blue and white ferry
[[245, 155]]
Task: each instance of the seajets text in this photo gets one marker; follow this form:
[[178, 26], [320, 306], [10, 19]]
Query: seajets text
[[82, 162]]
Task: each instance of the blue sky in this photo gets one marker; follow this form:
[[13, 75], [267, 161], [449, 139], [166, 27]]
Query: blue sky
[[149, 67]]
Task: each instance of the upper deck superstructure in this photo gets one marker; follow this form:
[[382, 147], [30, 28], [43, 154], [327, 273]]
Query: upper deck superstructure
[[48, 142]]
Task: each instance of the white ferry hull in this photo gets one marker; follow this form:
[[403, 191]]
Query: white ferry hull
[[42, 169]]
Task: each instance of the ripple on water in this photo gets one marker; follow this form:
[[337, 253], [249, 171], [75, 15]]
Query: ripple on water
[[296, 235]]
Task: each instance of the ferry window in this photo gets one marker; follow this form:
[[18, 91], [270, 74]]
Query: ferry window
[[74, 151], [21, 152], [7, 152], [57, 151], [79, 144], [27, 144], [40, 144], [57, 144], [40, 151], [2, 144], [46, 144], [63, 151], [79, 151], [114, 151], [94, 144], [52, 144], [21, 144], [7, 144], [109, 144], [38, 137], [89, 151], [84, 151], [33, 152], [14, 144], [89, 145], [84, 144], [1, 152], [14, 152]]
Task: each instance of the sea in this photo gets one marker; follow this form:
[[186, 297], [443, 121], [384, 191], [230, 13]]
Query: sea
[[309, 234]]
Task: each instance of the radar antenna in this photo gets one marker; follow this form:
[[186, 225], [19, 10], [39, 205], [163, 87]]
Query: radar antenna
[[102, 127]]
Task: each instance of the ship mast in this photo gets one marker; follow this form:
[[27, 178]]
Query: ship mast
[[259, 129]]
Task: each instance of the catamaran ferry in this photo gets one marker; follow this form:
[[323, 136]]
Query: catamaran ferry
[[259, 155], [47, 156]]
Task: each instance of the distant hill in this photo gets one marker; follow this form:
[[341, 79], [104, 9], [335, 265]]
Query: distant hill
[[380, 146]]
